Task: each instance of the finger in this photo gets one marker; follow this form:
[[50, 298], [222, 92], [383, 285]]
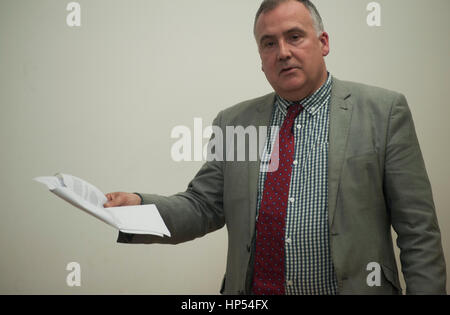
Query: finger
[[118, 199], [113, 200], [112, 203]]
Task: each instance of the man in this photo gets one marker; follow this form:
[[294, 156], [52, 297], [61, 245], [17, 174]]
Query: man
[[350, 167]]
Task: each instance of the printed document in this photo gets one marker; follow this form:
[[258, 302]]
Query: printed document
[[142, 219]]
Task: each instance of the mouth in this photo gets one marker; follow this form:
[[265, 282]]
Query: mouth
[[288, 70]]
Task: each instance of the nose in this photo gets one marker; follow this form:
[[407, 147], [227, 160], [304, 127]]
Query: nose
[[284, 51]]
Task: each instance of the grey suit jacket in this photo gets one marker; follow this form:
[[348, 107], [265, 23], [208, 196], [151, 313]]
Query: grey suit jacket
[[377, 179]]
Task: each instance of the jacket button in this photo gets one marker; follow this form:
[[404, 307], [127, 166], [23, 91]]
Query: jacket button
[[248, 248]]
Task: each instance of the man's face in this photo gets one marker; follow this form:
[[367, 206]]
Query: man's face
[[291, 51]]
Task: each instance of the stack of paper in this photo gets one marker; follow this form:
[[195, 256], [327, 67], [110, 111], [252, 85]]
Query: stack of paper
[[143, 219]]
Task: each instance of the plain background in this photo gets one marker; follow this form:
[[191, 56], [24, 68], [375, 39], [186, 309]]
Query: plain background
[[100, 102]]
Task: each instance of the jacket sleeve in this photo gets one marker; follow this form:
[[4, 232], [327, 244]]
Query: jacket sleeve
[[189, 214], [410, 202]]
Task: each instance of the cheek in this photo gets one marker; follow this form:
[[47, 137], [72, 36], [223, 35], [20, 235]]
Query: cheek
[[300, 56], [268, 59], [269, 68], [308, 61]]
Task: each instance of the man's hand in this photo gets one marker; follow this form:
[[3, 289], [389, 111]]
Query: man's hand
[[119, 199]]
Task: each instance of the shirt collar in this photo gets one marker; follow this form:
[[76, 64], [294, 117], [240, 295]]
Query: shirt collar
[[312, 103]]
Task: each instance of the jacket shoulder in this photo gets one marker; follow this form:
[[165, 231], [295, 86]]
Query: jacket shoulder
[[368, 92], [248, 108]]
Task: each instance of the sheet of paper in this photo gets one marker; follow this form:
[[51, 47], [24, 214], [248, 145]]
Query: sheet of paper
[[84, 190], [144, 219], [78, 193], [77, 201]]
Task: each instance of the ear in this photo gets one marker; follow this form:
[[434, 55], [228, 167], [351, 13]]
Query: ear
[[325, 43]]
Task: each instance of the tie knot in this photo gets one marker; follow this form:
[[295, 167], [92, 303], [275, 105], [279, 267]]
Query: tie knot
[[294, 109]]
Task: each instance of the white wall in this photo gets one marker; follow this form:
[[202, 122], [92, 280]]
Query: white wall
[[100, 101]]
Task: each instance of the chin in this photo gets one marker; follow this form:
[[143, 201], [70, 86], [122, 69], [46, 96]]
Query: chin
[[292, 88], [293, 83]]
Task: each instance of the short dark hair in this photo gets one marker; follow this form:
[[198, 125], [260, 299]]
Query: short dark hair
[[269, 5]]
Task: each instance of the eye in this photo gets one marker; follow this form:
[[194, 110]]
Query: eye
[[295, 37], [268, 44]]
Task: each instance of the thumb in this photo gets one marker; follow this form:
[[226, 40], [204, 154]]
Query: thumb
[[114, 199]]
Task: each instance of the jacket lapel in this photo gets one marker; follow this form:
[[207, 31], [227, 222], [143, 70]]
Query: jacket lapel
[[341, 109], [262, 117]]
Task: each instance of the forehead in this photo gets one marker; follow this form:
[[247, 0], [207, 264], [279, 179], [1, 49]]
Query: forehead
[[286, 16]]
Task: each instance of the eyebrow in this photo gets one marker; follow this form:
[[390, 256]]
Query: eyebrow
[[292, 30]]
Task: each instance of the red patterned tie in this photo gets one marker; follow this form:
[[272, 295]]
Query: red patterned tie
[[269, 269]]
